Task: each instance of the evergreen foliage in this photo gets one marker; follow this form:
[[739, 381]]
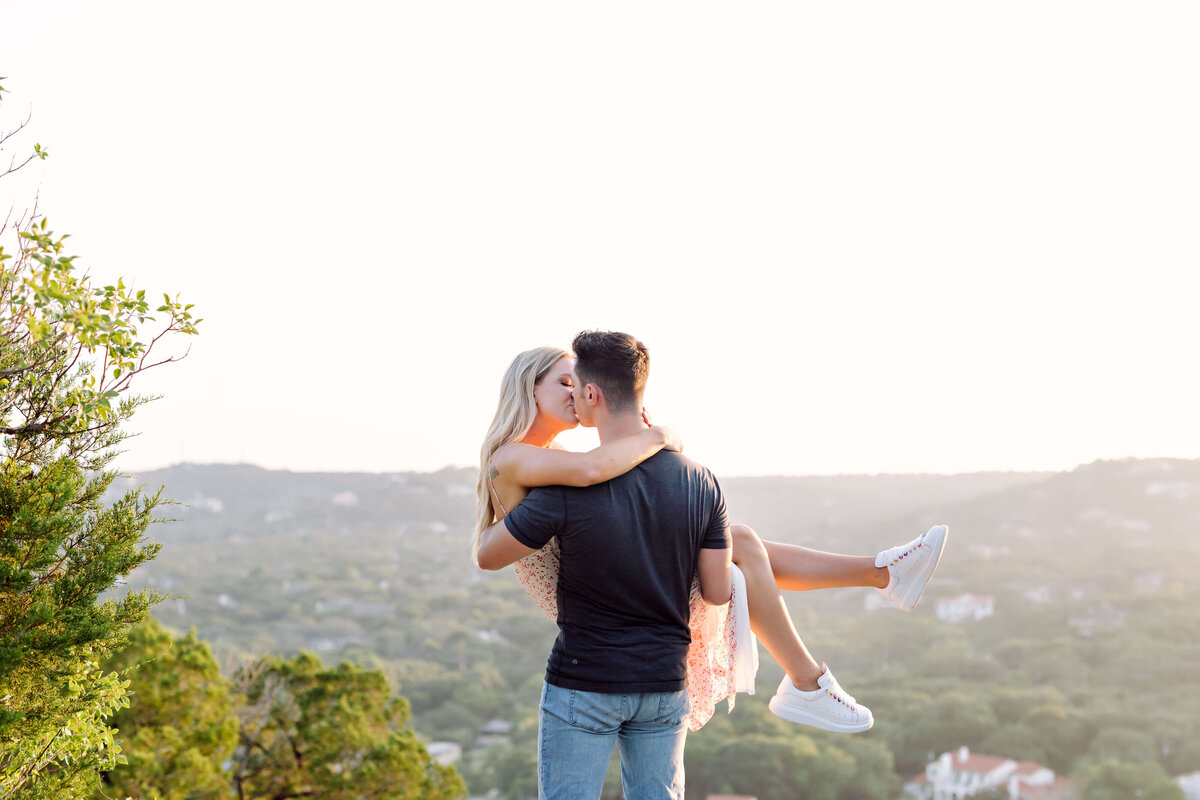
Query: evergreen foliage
[[68, 354], [60, 548]]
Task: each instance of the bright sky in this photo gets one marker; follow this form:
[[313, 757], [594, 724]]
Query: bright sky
[[857, 237]]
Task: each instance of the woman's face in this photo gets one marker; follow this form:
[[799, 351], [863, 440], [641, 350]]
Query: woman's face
[[553, 395]]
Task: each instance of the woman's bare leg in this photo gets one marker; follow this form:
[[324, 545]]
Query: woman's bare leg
[[769, 618], [799, 569], [767, 566]]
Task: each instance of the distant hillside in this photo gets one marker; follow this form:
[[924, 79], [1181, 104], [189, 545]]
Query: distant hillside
[[780, 507], [796, 508], [1101, 524], [252, 496], [1061, 620]]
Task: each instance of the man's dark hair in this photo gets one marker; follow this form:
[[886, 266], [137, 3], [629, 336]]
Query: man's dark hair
[[616, 362]]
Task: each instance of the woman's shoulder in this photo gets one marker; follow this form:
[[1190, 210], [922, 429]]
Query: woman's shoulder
[[512, 453]]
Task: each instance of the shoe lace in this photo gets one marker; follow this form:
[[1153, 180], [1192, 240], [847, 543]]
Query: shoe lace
[[917, 545], [838, 693]]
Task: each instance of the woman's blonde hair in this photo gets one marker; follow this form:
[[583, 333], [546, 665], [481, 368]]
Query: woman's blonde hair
[[514, 417]]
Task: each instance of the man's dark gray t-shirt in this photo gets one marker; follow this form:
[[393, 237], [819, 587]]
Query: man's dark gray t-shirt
[[629, 553]]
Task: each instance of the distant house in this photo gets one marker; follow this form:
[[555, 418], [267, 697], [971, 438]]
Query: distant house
[[1180, 490], [491, 636], [1039, 594], [1190, 785], [498, 731], [965, 607], [444, 753], [498, 727], [960, 774], [1102, 618]]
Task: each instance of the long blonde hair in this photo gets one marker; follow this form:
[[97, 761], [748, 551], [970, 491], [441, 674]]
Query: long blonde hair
[[515, 415]]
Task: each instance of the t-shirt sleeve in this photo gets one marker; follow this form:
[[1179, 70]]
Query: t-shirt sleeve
[[538, 518], [716, 535]]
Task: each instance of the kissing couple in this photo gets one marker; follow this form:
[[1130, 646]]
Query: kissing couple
[[657, 598]]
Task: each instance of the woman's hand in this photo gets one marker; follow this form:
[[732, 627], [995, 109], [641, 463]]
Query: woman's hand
[[671, 440]]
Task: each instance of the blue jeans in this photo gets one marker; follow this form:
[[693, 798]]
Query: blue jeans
[[577, 731]]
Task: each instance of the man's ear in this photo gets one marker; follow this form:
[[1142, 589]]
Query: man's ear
[[592, 394]]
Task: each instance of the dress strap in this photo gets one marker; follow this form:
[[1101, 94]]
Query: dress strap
[[495, 493]]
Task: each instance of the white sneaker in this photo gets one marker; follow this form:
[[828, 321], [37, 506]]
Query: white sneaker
[[911, 566], [828, 708]]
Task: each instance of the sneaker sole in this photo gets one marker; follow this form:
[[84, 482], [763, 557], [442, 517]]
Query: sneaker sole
[[802, 717], [918, 588]]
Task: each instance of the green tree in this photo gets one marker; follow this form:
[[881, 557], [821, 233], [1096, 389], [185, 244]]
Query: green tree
[[59, 752], [1063, 734], [942, 723], [1019, 742], [180, 727], [68, 354], [1124, 744], [756, 763], [1120, 780], [789, 765], [874, 775], [1010, 704], [514, 770], [307, 730], [1184, 757]]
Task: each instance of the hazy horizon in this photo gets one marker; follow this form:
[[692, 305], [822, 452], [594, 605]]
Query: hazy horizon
[[1072, 468]]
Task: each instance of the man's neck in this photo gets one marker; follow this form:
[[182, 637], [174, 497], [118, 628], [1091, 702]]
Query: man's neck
[[618, 427]]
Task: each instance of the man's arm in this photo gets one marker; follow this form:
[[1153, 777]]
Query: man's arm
[[498, 548], [716, 553], [716, 579]]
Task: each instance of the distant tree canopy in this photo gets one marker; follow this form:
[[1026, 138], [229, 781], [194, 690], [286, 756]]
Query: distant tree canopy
[[1119, 780]]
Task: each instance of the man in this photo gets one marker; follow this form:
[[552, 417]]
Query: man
[[630, 547]]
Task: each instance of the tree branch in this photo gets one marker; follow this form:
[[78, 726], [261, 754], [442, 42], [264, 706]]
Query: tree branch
[[34, 427], [4, 138]]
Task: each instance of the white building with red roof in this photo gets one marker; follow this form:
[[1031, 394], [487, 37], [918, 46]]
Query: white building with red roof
[[961, 773]]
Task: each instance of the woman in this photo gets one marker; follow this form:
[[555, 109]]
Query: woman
[[519, 452]]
